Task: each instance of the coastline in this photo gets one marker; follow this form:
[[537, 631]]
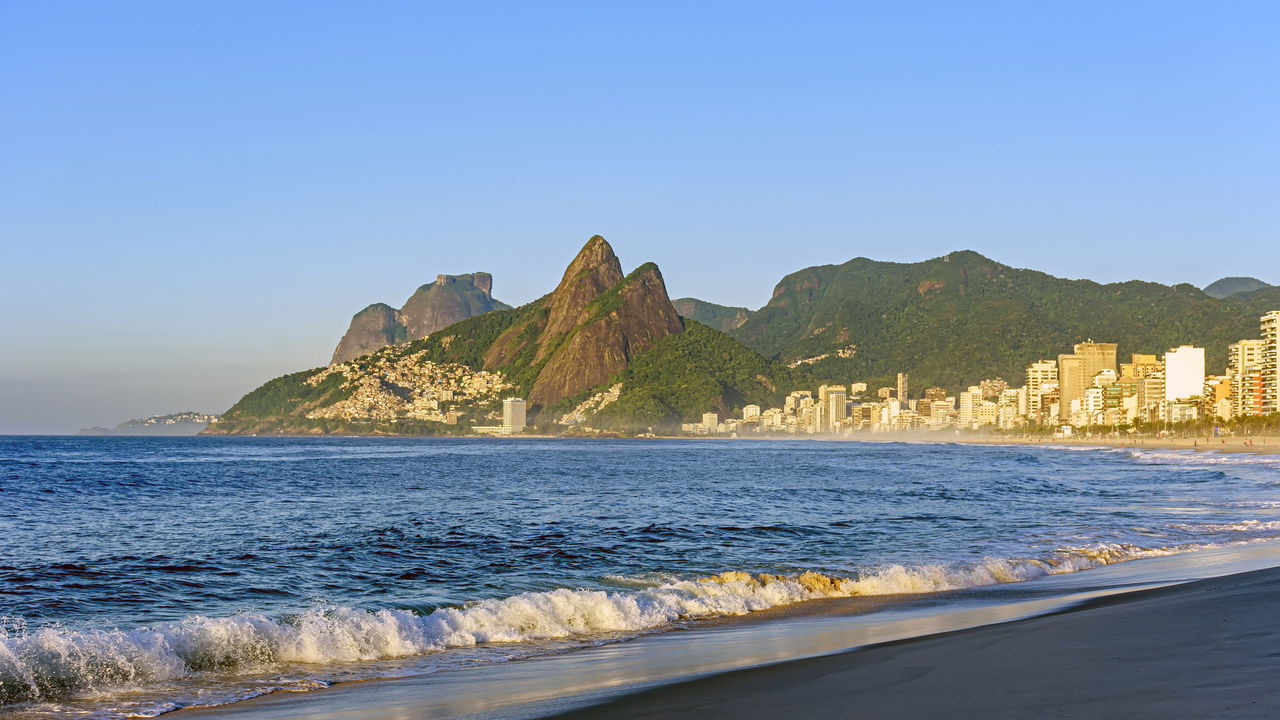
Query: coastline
[[1257, 444], [1196, 650], [781, 664]]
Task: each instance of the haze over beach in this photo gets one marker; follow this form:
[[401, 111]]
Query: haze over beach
[[421, 360]]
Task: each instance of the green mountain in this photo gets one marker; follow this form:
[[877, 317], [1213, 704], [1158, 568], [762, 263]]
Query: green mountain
[[956, 319], [1228, 286], [436, 305], [602, 350], [720, 317]]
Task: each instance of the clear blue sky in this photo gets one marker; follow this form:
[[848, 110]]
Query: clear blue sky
[[196, 196]]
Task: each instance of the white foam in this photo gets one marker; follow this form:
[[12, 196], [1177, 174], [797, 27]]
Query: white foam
[[54, 662]]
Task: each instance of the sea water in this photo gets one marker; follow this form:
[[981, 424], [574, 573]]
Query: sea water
[[140, 575]]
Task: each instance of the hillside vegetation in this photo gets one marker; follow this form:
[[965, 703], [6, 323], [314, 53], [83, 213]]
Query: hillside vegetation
[[954, 320]]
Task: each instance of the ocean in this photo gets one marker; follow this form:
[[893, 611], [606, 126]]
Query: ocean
[[142, 575]]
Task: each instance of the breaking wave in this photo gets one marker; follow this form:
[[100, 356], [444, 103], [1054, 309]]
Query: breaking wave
[[53, 662]]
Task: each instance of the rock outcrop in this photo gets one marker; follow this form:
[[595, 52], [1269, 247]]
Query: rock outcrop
[[450, 299], [373, 328], [590, 326]]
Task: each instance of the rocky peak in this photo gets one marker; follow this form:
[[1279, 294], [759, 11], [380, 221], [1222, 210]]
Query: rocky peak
[[482, 281], [610, 324], [592, 272], [373, 328], [450, 299]]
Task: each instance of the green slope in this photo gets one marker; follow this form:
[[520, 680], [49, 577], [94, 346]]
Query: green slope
[[956, 319], [693, 372], [721, 317]]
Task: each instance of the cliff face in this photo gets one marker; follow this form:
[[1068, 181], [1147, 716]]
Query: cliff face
[[450, 299], [612, 328], [589, 327], [374, 327]]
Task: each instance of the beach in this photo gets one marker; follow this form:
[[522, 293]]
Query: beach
[[1198, 650], [1258, 444]]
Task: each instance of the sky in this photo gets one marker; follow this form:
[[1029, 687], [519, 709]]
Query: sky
[[195, 197]]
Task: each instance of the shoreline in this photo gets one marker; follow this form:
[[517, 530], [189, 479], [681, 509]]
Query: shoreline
[[1254, 444], [624, 679], [1199, 649]]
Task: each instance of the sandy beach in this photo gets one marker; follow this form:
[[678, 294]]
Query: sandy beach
[[1199, 650], [1259, 444]]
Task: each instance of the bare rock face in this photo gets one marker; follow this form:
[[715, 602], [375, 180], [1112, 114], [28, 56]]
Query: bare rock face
[[596, 321], [450, 299], [373, 328], [592, 272]]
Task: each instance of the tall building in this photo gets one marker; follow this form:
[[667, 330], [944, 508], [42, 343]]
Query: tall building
[[1071, 382], [1183, 373], [902, 387], [1244, 370], [1097, 357], [1077, 370], [1039, 374], [513, 415], [970, 405], [835, 414], [1271, 362]]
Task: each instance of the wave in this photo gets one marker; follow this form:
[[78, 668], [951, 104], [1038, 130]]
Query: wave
[[53, 662], [1242, 526]]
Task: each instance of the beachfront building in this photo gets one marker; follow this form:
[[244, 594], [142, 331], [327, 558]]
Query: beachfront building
[[513, 419], [1271, 362], [513, 414], [1041, 377], [1183, 373], [1244, 370]]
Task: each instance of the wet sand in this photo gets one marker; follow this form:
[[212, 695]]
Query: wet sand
[[1204, 649]]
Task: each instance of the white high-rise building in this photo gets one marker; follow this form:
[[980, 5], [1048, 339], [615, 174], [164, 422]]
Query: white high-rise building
[[835, 414], [1244, 370], [970, 401], [513, 415], [1039, 374], [1271, 362], [1183, 373]]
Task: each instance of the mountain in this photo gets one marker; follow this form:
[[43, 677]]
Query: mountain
[[183, 423], [1228, 286], [602, 350], [956, 319], [720, 317], [449, 299]]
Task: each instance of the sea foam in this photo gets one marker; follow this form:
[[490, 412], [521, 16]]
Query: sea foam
[[47, 663]]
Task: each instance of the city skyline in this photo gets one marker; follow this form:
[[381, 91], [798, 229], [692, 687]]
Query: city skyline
[[1086, 388]]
